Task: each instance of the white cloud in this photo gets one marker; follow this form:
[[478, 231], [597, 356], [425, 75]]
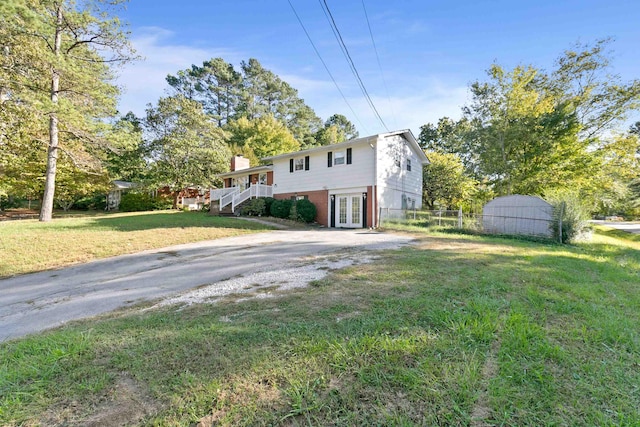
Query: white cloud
[[144, 81]]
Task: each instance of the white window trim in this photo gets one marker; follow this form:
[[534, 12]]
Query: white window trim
[[339, 154]]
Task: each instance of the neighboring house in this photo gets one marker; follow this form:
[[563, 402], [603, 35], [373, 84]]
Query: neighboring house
[[350, 182], [192, 198], [115, 194]]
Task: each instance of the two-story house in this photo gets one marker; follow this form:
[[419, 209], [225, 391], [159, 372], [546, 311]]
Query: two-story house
[[350, 183]]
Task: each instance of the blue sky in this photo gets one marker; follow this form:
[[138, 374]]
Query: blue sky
[[429, 51]]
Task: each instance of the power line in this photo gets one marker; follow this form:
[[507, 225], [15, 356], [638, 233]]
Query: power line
[[345, 51], [384, 81], [326, 68]]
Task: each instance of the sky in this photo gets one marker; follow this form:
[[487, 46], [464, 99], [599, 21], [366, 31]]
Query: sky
[[416, 58]]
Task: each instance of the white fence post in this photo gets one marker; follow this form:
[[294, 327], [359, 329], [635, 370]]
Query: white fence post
[[460, 217]]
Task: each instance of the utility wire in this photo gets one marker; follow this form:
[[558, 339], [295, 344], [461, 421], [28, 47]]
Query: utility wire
[[384, 81], [326, 68], [345, 51]]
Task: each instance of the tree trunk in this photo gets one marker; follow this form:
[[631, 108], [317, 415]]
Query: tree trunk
[[46, 211]]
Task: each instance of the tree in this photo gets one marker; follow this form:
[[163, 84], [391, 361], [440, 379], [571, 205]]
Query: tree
[[451, 137], [444, 182], [253, 92], [216, 85], [336, 129], [583, 82], [264, 137], [187, 148], [60, 53], [529, 131], [127, 159], [263, 93]]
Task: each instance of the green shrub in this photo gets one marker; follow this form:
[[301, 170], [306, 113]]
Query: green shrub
[[96, 202], [281, 208], [162, 202], [303, 210], [267, 205], [254, 207], [8, 202], [569, 209], [135, 202]]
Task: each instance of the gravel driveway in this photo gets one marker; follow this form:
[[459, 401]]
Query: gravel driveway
[[282, 259]]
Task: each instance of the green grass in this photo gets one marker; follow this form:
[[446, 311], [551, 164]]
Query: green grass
[[30, 245], [458, 330]]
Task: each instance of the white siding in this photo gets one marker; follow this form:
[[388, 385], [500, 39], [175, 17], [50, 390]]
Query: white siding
[[394, 180], [360, 173]]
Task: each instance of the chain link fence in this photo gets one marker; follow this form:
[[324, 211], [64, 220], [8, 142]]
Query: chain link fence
[[488, 224]]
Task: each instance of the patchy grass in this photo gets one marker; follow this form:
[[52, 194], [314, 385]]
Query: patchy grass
[[30, 245], [458, 330]]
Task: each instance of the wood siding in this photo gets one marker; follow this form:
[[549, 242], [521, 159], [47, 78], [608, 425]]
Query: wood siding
[[321, 177], [394, 180]]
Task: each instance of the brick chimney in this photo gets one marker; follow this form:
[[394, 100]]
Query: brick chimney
[[238, 163]]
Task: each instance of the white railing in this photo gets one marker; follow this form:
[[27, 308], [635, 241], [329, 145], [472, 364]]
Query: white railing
[[234, 196], [220, 192], [256, 190], [228, 198]]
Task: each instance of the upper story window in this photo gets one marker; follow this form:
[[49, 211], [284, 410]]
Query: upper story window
[[301, 164], [335, 158], [409, 165]]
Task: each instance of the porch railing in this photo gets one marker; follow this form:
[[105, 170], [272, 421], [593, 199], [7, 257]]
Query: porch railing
[[256, 190], [234, 196], [220, 192], [228, 198]]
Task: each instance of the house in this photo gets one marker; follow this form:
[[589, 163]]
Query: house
[[118, 188], [350, 183]]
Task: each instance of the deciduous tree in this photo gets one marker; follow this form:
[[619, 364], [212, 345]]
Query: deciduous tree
[[264, 136], [444, 182], [187, 146]]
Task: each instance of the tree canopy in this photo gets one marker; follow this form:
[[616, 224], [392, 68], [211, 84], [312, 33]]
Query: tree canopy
[[529, 131], [187, 148]]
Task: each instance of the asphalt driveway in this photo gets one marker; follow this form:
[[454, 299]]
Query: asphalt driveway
[[629, 227], [39, 301]]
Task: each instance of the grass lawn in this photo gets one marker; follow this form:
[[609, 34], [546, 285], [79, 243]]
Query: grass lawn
[[457, 330], [35, 246]]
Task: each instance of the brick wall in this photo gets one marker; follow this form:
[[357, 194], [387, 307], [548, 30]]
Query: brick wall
[[319, 198]]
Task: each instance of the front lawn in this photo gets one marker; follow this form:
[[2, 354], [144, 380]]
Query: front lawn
[[30, 245], [458, 330]]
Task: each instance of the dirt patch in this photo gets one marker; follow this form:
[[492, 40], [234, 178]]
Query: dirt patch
[[128, 405]]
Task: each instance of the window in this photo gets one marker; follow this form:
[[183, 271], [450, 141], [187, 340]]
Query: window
[[339, 158], [262, 178], [301, 164], [409, 165]]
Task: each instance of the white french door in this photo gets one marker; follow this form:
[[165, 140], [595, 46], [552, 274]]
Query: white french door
[[349, 210]]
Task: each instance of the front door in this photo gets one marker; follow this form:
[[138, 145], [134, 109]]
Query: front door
[[349, 211]]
